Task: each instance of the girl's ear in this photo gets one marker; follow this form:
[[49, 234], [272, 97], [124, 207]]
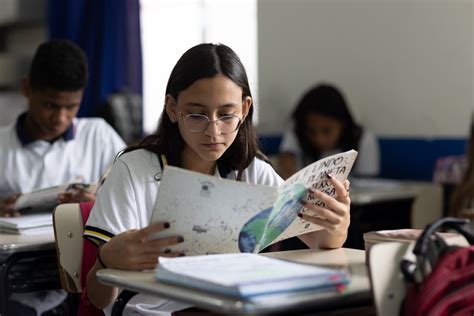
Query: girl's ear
[[171, 108], [246, 104]]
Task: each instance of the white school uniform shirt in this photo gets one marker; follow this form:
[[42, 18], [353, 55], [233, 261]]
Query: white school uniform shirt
[[127, 199], [368, 159], [82, 154]]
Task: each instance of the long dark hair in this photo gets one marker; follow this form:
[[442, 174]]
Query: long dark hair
[[464, 192], [326, 100], [205, 61]]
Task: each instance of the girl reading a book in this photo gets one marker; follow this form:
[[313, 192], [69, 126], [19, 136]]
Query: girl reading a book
[[206, 126], [322, 125]]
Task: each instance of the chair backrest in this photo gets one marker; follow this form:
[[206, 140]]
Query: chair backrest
[[68, 230], [388, 285]]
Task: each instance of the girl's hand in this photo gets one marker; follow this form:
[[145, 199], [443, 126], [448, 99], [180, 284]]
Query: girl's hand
[[134, 250], [335, 216]]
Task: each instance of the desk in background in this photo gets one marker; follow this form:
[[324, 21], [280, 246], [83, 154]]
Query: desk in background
[[380, 204], [357, 296], [27, 263]]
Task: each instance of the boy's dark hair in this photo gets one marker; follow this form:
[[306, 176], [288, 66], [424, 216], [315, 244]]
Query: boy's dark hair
[[326, 100], [59, 65], [206, 61]]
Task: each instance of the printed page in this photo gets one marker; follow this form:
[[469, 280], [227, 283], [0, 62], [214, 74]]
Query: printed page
[[209, 212], [47, 198], [312, 176]]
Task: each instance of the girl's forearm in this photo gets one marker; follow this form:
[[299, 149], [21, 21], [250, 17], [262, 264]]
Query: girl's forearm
[[323, 239], [100, 295]]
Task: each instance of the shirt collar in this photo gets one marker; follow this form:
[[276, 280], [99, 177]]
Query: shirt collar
[[25, 138]]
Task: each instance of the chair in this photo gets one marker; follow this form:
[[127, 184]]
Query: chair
[[68, 221], [68, 229], [388, 285]]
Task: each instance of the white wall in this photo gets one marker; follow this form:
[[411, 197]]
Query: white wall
[[406, 66]]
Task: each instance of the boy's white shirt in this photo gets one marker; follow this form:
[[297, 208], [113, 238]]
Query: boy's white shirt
[[127, 199], [41, 164]]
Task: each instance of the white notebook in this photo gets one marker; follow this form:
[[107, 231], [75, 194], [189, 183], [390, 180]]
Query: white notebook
[[27, 223], [247, 276]]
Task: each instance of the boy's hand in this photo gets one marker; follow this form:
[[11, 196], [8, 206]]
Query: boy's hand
[[6, 206], [134, 250], [76, 196]]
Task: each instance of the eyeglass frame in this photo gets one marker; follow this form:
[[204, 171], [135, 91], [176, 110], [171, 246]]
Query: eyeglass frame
[[185, 116]]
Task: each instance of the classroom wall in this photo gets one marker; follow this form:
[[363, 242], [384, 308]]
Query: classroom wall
[[406, 66]]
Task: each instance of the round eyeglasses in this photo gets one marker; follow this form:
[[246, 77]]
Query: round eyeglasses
[[198, 123]]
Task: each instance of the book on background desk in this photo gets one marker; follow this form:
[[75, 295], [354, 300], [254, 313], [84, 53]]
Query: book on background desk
[[46, 199], [29, 224], [217, 215], [248, 276]]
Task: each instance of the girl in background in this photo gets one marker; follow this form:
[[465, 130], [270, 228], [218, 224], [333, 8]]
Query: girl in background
[[463, 196], [322, 125]]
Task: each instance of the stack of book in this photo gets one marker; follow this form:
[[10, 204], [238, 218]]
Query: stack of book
[[248, 276], [29, 224]]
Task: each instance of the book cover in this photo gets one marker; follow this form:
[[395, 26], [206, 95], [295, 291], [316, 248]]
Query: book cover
[[217, 215]]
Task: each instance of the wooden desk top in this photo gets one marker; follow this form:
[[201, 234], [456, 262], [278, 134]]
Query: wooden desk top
[[357, 291], [11, 243]]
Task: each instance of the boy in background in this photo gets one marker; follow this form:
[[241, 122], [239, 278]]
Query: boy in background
[[48, 146]]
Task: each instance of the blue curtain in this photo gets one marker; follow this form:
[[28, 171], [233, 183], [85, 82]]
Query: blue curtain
[[109, 33]]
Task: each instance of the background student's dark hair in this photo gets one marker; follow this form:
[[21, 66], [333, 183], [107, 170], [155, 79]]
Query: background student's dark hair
[[59, 65], [206, 61], [465, 190], [326, 100]]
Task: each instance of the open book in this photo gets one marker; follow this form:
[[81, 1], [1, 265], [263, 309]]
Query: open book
[[247, 276], [46, 199], [217, 215]]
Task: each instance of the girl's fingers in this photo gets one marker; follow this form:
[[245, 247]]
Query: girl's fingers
[[341, 191], [319, 221], [326, 214], [172, 254], [155, 246], [330, 202], [347, 185], [144, 233]]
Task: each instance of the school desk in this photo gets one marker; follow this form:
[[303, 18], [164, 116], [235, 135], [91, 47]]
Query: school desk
[[27, 263], [357, 296], [381, 204]]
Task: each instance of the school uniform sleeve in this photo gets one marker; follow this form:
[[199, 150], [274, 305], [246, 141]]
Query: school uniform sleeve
[[368, 160], [127, 198], [115, 209]]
